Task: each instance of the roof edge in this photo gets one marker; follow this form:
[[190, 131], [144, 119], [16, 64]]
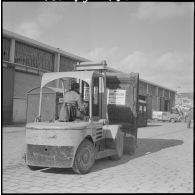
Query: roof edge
[[10, 34], [149, 82]]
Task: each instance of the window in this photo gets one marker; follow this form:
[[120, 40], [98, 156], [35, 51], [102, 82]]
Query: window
[[6, 49], [66, 64], [33, 57]]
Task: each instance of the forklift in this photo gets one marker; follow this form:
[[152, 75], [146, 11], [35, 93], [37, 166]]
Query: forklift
[[108, 129]]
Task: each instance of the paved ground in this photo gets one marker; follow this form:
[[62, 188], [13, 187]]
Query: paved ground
[[163, 162]]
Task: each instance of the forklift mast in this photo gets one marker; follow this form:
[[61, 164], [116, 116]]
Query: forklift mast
[[100, 67]]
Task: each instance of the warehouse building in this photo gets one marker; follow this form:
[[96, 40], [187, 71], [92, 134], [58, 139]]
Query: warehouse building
[[158, 98], [24, 61]]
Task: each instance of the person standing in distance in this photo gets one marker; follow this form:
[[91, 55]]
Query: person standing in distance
[[189, 117]]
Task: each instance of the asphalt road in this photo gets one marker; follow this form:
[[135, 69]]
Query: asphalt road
[[163, 162]]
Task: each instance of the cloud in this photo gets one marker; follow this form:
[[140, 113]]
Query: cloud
[[49, 15], [29, 29], [46, 18], [99, 54], [162, 10], [171, 69]]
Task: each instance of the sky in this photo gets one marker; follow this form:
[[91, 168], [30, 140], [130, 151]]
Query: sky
[[154, 39]]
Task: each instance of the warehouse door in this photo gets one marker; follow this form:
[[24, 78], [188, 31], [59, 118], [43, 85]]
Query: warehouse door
[[167, 105], [162, 104], [8, 90], [149, 104], [24, 82]]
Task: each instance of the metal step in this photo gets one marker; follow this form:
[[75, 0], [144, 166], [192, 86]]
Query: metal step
[[105, 153]]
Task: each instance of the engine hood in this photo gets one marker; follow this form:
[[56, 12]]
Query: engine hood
[[75, 125]]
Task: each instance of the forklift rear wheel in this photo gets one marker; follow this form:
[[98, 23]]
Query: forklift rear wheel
[[172, 120], [84, 158], [119, 141]]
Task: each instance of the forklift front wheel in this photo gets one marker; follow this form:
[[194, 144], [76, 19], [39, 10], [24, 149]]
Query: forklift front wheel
[[84, 158]]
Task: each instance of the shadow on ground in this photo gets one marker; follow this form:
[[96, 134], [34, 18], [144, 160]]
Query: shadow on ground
[[145, 146], [151, 126]]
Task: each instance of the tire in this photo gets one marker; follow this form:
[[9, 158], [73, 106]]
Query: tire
[[172, 120], [130, 145], [84, 158], [119, 142]]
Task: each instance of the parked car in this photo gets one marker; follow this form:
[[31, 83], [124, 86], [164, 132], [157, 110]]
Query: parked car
[[166, 116], [172, 117]]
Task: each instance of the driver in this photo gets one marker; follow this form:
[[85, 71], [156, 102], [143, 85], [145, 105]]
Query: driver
[[73, 105]]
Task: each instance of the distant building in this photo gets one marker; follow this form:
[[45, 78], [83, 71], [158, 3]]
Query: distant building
[[25, 60], [158, 98]]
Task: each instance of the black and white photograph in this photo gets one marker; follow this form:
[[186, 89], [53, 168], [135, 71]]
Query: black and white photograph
[[97, 97]]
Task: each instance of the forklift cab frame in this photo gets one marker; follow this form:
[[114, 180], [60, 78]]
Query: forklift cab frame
[[88, 77]]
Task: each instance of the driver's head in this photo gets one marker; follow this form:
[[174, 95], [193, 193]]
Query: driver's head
[[74, 86]]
